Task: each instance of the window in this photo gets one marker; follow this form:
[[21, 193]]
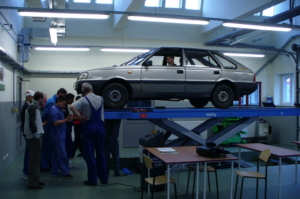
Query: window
[[82, 1], [192, 4], [200, 58], [153, 3], [226, 64], [173, 4], [104, 1], [287, 89], [268, 12]]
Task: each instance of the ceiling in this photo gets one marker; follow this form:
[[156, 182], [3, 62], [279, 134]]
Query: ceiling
[[213, 34]]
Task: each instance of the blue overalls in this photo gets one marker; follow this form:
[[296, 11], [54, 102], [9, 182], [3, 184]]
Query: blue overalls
[[59, 158], [93, 137]]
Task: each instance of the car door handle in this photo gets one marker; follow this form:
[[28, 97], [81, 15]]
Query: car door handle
[[179, 71], [216, 72]]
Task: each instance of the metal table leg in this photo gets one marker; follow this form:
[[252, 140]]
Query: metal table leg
[[204, 180], [168, 181], [279, 179], [197, 180], [231, 179]]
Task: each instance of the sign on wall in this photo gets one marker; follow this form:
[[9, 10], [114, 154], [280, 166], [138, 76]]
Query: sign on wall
[[2, 85]]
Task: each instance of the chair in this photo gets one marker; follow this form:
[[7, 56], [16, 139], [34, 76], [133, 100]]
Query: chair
[[155, 180], [209, 169], [264, 156]]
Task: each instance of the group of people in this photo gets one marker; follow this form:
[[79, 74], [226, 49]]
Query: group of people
[[48, 136]]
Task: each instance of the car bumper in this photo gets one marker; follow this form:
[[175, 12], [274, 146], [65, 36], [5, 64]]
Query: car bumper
[[246, 88]]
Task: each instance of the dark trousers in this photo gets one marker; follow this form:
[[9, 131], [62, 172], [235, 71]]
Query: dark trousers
[[26, 159], [113, 149], [77, 143], [93, 136], [35, 147], [46, 149], [60, 162], [69, 144]]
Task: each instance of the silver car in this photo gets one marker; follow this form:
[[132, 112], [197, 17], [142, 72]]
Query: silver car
[[198, 75]]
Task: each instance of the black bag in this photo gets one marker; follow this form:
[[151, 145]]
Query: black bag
[[211, 151]]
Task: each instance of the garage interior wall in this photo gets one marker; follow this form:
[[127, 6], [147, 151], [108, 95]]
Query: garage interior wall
[[81, 32], [11, 141]]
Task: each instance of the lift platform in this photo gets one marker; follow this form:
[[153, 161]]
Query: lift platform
[[161, 117]]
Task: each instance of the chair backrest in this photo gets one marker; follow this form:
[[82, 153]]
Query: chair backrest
[[265, 155], [147, 162]]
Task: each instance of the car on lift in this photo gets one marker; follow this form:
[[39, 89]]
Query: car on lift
[[199, 76]]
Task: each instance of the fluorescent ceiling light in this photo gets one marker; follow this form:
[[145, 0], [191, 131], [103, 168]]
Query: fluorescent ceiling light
[[2, 49], [130, 50], [168, 20], [61, 49], [63, 15], [244, 55], [257, 27], [53, 35]]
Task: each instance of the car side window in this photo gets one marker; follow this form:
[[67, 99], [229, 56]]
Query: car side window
[[157, 60], [226, 64], [200, 58]]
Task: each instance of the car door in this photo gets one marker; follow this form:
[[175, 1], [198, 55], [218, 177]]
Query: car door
[[162, 79], [202, 71]]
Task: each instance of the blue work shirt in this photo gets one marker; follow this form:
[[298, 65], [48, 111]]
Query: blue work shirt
[[50, 102], [57, 132]]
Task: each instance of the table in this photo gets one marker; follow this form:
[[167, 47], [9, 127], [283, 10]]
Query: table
[[296, 160], [188, 154], [275, 151]]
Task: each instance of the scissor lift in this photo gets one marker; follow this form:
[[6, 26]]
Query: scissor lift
[[162, 118]]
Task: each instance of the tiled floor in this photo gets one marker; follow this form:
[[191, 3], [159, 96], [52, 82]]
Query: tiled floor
[[126, 187]]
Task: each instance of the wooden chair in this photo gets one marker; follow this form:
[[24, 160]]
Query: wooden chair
[[209, 169], [155, 180], [264, 156]]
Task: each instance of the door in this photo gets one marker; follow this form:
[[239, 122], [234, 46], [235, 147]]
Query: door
[[202, 71], [161, 78]]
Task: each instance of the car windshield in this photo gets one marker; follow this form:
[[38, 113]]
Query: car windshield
[[138, 59]]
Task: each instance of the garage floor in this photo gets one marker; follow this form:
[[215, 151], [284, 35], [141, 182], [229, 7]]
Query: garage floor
[[126, 187]]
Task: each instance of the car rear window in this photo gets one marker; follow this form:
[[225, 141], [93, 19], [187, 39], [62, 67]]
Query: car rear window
[[200, 58], [226, 64]]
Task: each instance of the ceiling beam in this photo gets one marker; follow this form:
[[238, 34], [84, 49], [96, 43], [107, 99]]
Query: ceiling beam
[[233, 9], [120, 20]]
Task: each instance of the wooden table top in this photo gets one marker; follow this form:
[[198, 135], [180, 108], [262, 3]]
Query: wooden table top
[[276, 151], [186, 154], [296, 142]]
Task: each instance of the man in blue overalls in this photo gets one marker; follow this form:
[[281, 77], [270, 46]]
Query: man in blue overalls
[[46, 147], [93, 134], [58, 121]]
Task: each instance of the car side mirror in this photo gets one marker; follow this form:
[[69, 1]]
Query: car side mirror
[[148, 63]]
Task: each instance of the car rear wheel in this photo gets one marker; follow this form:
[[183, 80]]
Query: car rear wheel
[[115, 95], [222, 96], [198, 102]]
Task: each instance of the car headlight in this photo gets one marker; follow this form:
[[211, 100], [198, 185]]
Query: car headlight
[[83, 76]]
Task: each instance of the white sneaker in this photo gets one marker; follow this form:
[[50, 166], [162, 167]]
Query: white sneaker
[[25, 177]]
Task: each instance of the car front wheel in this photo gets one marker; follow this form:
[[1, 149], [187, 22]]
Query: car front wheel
[[198, 102], [222, 96], [115, 96]]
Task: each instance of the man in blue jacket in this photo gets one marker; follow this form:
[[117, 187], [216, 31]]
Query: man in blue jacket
[[47, 148], [59, 157]]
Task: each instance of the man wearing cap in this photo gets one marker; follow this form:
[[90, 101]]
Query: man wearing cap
[[47, 148], [29, 96]]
